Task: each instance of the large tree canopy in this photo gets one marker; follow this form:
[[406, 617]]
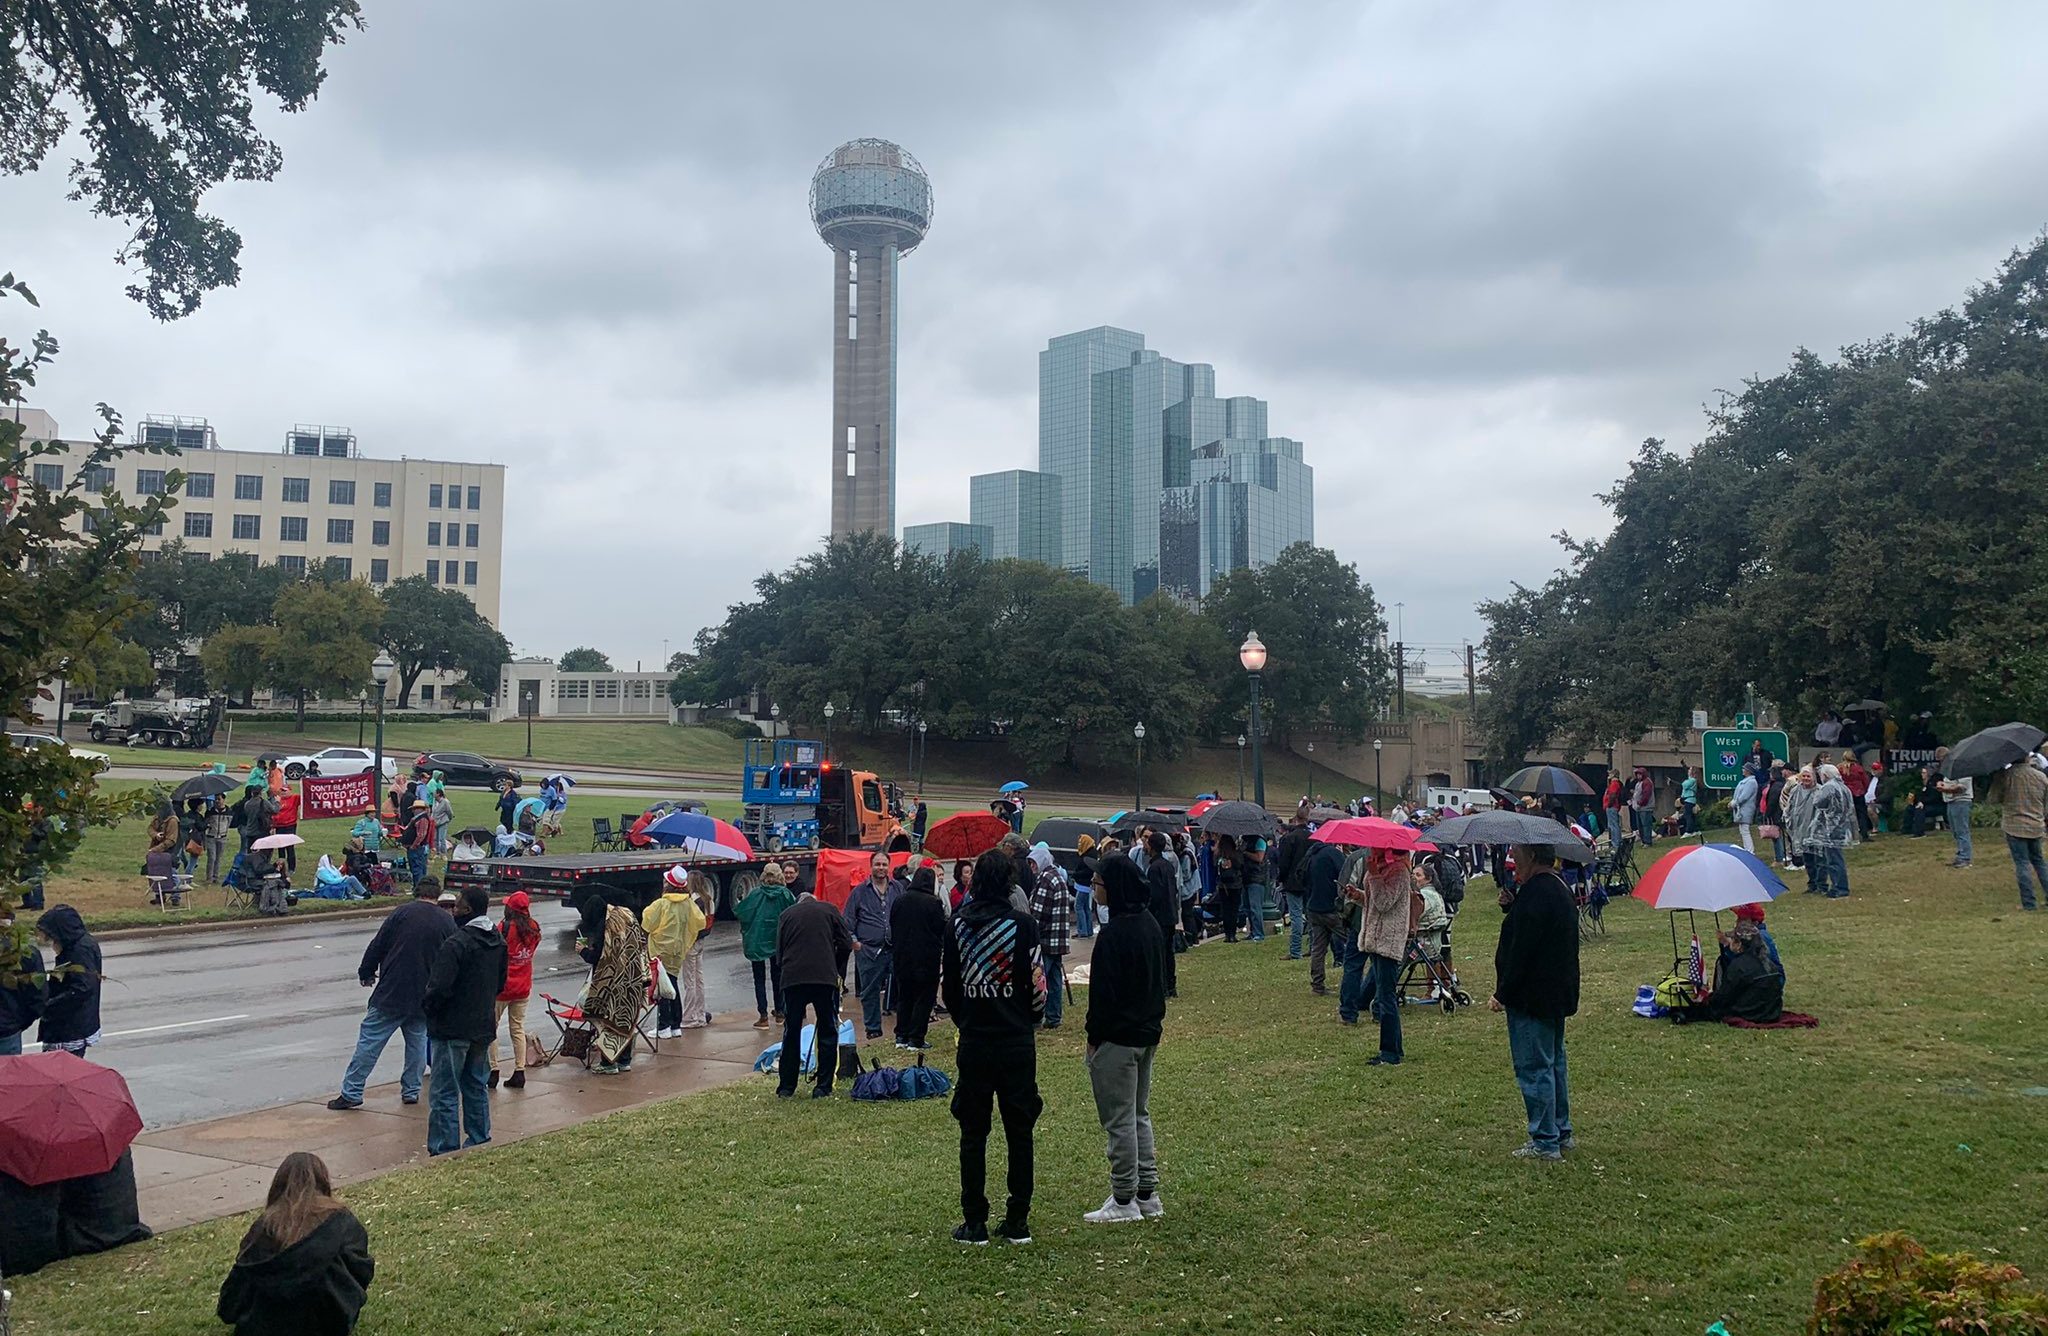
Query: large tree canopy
[[163, 98], [584, 659], [1869, 526], [427, 626], [1328, 665]]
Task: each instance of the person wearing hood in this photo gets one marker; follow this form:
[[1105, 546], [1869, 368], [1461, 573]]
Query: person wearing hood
[[522, 943], [22, 1001], [674, 921], [1831, 828], [443, 812], [331, 883], [1162, 883], [462, 1022], [1126, 1012], [760, 915], [71, 1007], [1052, 909], [994, 993], [917, 926], [304, 1268]]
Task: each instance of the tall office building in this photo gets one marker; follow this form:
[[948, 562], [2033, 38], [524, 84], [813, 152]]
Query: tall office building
[[1066, 441], [945, 539], [1246, 502], [1022, 511], [872, 204]]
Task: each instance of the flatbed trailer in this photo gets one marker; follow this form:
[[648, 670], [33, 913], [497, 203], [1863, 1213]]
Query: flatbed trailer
[[637, 872]]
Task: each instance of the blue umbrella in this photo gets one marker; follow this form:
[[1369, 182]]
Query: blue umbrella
[[1014, 786]]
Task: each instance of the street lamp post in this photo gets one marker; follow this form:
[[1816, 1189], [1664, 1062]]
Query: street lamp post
[[381, 668], [830, 710], [1252, 655], [1139, 734], [1377, 747], [923, 754], [1311, 772], [1240, 767], [775, 720], [362, 713]]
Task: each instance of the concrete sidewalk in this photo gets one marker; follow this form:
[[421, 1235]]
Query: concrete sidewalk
[[202, 1171]]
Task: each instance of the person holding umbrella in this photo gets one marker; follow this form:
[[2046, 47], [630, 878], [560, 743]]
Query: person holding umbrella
[[1536, 968], [1382, 896], [1957, 793]]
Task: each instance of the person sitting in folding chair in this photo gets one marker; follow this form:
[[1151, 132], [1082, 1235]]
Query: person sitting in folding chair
[[611, 939]]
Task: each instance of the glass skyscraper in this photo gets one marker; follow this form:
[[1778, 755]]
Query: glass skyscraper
[[1023, 513], [1066, 441], [943, 540]]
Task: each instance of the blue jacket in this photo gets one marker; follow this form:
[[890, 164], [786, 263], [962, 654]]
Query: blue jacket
[[401, 957]]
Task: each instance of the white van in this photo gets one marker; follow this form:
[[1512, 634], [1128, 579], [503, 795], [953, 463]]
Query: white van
[[1458, 799]]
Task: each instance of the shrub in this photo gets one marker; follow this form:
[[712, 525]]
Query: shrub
[[1895, 1286], [1718, 813], [735, 728]]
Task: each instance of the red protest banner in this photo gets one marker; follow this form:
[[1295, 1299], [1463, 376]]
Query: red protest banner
[[336, 795]]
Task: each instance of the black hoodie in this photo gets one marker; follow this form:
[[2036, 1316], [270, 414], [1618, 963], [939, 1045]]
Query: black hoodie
[[988, 978], [1127, 972], [316, 1287], [461, 1000], [72, 1011], [22, 1003]]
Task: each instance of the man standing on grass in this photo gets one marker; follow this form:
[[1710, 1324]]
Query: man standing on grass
[[812, 941], [2023, 793], [867, 916], [419, 839], [1326, 932], [1290, 873], [994, 993], [1126, 1013], [461, 1006], [1052, 909], [398, 961], [1536, 968], [1957, 793], [1832, 829]]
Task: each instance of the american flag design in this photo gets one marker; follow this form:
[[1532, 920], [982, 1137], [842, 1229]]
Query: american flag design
[[1699, 964]]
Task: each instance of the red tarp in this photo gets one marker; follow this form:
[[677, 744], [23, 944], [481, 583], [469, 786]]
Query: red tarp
[[840, 870], [336, 795]]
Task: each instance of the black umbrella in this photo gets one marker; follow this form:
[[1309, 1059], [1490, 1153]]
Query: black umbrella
[[1510, 828], [1167, 821], [1061, 833], [1547, 779], [1992, 750], [1238, 819], [1864, 707], [207, 785], [1326, 813]]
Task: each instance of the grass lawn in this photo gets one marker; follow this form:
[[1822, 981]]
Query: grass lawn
[[1719, 1173]]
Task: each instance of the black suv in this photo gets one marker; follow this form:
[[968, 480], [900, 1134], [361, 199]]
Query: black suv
[[467, 770]]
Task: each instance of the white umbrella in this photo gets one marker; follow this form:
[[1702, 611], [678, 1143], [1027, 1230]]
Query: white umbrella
[[276, 842]]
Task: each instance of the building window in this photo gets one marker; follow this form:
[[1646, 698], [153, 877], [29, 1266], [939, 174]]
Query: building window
[[93, 520], [472, 535], [454, 497], [427, 695], [433, 572], [380, 533], [249, 527], [380, 571], [198, 524], [607, 688], [199, 485], [291, 529], [155, 530], [292, 566], [298, 491], [341, 531], [341, 568], [380, 494], [579, 689], [434, 534], [50, 476], [99, 478], [248, 487], [149, 482], [341, 491], [434, 497], [469, 572], [476, 498]]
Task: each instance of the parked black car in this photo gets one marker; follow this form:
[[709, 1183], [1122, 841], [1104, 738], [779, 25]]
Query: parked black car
[[467, 770]]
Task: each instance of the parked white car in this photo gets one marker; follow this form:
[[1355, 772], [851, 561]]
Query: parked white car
[[332, 761], [100, 759]]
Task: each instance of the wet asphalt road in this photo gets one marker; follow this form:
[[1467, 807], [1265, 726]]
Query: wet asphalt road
[[211, 1023]]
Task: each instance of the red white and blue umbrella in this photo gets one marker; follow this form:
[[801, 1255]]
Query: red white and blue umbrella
[[1709, 878], [705, 836]]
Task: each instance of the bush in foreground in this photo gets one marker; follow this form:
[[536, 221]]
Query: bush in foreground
[[1895, 1287]]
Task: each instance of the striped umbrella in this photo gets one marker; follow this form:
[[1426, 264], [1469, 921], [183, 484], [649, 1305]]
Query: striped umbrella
[[1708, 877]]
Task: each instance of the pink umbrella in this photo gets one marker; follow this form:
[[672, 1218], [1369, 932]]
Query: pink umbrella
[[1372, 832]]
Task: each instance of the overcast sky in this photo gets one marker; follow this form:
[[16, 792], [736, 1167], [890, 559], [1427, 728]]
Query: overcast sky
[[1471, 254]]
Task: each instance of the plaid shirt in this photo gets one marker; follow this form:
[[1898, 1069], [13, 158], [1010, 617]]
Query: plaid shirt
[[1052, 904]]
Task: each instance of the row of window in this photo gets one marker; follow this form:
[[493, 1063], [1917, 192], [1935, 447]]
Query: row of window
[[444, 572], [454, 494], [438, 572], [294, 529], [586, 689], [455, 535], [249, 487]]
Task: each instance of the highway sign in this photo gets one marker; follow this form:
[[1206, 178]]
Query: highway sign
[[1745, 720], [1723, 750]]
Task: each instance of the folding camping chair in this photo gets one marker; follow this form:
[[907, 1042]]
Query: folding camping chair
[[1614, 871], [240, 894], [575, 1034], [168, 893], [602, 836]]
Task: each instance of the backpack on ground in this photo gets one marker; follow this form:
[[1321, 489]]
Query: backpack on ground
[[922, 1082], [878, 1082]]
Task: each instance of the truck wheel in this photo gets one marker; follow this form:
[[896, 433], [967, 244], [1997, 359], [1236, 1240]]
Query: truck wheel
[[179, 740], [812, 843], [740, 885], [774, 844], [295, 772], [97, 733]]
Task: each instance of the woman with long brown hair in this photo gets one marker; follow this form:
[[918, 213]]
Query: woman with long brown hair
[[304, 1267]]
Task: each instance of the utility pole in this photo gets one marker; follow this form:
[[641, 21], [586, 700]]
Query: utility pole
[[1471, 681], [1400, 680]]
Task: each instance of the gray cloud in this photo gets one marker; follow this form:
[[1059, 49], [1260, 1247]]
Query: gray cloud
[[1472, 256]]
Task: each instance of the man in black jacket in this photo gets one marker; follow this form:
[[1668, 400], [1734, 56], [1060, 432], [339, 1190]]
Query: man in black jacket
[[398, 961], [1322, 906], [21, 1002], [994, 993], [1536, 968], [1290, 874], [917, 927], [812, 940], [1126, 1010], [462, 1018], [71, 1008]]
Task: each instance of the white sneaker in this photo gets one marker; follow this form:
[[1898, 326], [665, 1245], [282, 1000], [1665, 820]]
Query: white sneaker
[[1151, 1207], [1114, 1212]]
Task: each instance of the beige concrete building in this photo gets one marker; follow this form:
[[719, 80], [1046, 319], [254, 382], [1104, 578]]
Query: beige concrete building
[[317, 498]]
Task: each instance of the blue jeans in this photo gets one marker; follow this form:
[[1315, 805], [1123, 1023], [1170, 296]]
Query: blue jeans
[[461, 1069], [1385, 983], [871, 971], [1084, 912], [1297, 922], [1055, 990], [1255, 909], [1836, 874], [1959, 826], [378, 1027], [1646, 826], [416, 861], [10, 1045], [1536, 1044], [2027, 852], [1351, 985]]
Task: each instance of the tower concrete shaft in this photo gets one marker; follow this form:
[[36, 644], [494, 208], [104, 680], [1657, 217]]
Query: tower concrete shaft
[[864, 390]]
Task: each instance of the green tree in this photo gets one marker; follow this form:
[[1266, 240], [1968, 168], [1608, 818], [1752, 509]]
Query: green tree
[[584, 659], [1327, 665], [165, 93], [237, 659], [322, 648], [428, 627]]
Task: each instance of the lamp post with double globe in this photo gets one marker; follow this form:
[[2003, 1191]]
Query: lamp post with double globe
[[830, 710], [1377, 747], [1240, 767], [1139, 733], [1252, 655], [381, 669]]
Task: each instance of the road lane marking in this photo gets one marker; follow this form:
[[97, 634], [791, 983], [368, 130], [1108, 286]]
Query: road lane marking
[[180, 1025]]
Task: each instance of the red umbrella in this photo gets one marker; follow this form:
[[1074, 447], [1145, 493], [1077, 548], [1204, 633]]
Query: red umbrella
[[965, 835], [1201, 807], [62, 1117], [1372, 832]]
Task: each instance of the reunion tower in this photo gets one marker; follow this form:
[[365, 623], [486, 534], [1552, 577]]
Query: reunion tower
[[872, 204]]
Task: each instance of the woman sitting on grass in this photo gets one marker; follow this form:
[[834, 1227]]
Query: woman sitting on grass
[[304, 1267], [1747, 985]]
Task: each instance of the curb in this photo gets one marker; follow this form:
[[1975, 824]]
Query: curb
[[173, 928]]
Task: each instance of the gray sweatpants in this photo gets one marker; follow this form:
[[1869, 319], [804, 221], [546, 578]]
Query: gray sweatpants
[[1122, 1078]]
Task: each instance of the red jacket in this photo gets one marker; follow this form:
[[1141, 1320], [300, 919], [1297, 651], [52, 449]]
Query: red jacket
[[519, 951], [287, 817]]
